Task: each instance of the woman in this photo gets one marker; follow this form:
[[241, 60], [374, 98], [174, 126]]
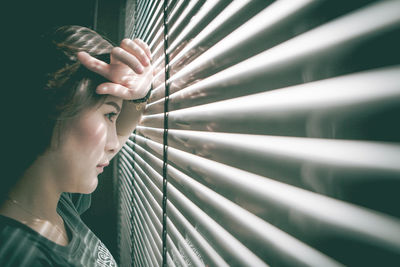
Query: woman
[[83, 110]]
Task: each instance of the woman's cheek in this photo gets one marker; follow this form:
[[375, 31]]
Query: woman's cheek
[[93, 132]]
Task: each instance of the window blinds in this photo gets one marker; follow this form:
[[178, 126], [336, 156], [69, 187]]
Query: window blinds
[[271, 137]]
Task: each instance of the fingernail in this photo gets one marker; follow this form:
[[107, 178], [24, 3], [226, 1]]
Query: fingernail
[[139, 69], [147, 61]]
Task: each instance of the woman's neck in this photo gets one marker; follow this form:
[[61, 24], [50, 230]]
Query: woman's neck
[[33, 201]]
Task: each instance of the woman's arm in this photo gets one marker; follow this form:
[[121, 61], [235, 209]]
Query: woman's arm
[[128, 119]]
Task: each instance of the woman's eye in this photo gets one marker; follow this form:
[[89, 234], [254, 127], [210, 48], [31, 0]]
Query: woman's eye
[[111, 116]]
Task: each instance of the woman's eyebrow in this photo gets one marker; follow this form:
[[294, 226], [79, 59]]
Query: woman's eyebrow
[[112, 103]]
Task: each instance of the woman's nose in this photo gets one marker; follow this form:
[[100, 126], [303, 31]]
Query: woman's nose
[[112, 143]]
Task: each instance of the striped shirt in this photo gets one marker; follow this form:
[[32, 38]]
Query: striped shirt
[[22, 246]]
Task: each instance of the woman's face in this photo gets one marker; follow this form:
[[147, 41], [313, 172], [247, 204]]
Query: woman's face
[[86, 145]]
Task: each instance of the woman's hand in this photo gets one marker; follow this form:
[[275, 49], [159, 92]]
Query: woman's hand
[[129, 71]]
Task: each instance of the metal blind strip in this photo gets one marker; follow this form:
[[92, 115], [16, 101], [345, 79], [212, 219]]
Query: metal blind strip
[[143, 170], [152, 247], [149, 204], [175, 27], [310, 109], [156, 35], [125, 205], [160, 164], [144, 21], [275, 18], [126, 238], [154, 177], [139, 141], [142, 14], [265, 70], [155, 23], [276, 23], [144, 257], [280, 121], [188, 256], [175, 237], [146, 183], [286, 159], [363, 225], [380, 228], [262, 238], [177, 22], [194, 238], [156, 44], [141, 236], [235, 14], [127, 210], [157, 211], [206, 14], [149, 132], [137, 211]]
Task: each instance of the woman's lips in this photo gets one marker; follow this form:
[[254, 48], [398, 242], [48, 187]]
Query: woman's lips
[[100, 167]]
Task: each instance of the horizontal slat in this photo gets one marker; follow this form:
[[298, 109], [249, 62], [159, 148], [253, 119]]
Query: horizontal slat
[[148, 187], [332, 167], [176, 26], [152, 237], [206, 251], [231, 17], [174, 8], [151, 206], [176, 255], [355, 106], [250, 226], [140, 226], [257, 32], [173, 15], [142, 15], [262, 238], [156, 23], [226, 245], [144, 22], [296, 58], [139, 240], [137, 202], [220, 236], [190, 258], [208, 11], [155, 211], [330, 215]]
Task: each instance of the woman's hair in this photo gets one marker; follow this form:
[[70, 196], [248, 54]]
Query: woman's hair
[[54, 87]]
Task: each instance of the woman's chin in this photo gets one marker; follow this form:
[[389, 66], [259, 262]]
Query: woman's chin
[[88, 189]]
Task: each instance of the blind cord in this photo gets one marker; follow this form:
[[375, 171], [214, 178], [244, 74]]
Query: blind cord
[[165, 137]]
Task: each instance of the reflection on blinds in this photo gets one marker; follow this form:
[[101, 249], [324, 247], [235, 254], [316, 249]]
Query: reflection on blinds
[[271, 137]]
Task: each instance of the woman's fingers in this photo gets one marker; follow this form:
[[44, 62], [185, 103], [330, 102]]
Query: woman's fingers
[[114, 89], [127, 58], [94, 64], [144, 46], [137, 48]]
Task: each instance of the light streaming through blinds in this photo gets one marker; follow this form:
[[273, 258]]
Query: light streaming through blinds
[[270, 137]]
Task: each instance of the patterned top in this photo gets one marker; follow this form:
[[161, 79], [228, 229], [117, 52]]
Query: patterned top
[[22, 246]]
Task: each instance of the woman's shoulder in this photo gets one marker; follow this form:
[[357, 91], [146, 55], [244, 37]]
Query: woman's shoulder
[[20, 245]]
